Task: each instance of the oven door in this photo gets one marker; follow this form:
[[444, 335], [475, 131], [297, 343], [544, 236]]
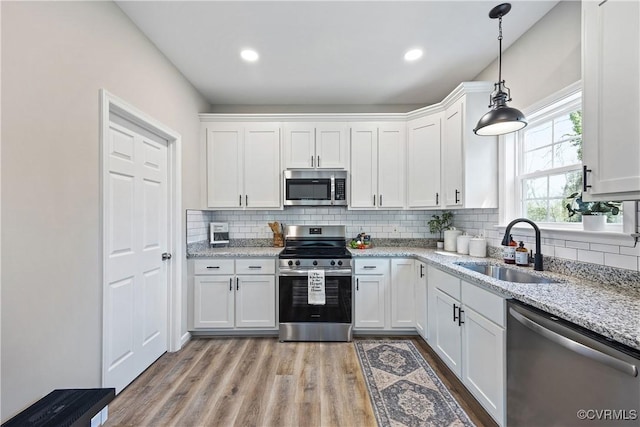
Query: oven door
[[294, 304]]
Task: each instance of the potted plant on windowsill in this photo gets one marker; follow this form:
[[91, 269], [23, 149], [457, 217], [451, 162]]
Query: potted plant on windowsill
[[594, 214], [439, 223]]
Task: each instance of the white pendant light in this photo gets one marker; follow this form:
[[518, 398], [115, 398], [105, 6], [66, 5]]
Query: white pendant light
[[501, 119]]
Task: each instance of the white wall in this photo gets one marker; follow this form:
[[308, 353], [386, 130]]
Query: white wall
[[56, 56], [545, 59]]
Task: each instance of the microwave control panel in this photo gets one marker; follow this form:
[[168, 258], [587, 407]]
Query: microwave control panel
[[341, 191]]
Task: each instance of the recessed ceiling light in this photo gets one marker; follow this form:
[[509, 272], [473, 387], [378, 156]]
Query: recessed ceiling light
[[249, 55], [413, 55]]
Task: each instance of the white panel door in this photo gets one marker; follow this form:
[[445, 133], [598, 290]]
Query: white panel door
[[299, 145], [421, 299], [402, 294], [370, 301], [136, 228], [447, 337], [453, 167], [391, 165], [484, 362], [224, 168], [331, 146], [423, 181], [255, 302], [262, 166], [213, 301], [364, 170], [611, 99]]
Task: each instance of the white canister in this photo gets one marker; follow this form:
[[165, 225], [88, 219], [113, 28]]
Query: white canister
[[450, 237], [478, 247], [462, 244]]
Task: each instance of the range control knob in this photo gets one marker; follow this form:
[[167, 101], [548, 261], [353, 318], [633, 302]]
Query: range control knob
[[297, 262], [315, 262], [290, 263], [333, 263], [339, 262]]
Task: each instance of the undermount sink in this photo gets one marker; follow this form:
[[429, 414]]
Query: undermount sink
[[504, 273]]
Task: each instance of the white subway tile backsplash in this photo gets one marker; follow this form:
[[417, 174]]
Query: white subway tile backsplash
[[605, 248], [625, 250], [591, 256], [621, 261], [577, 245], [567, 253]]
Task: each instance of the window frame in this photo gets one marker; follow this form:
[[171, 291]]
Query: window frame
[[510, 184]]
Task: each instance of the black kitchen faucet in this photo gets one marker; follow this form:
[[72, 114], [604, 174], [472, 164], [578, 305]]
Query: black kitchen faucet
[[537, 259]]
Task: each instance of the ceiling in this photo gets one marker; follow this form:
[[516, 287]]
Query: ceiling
[[329, 52]]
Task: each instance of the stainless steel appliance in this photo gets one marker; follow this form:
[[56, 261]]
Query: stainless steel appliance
[[560, 374], [309, 248], [315, 187], [218, 233]]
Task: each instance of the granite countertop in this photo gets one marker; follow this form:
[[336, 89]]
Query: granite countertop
[[609, 310], [202, 250]]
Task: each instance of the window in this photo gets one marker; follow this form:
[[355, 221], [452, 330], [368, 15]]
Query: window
[[548, 163]]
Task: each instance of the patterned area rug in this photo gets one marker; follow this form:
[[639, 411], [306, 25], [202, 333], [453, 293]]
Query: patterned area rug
[[404, 389]]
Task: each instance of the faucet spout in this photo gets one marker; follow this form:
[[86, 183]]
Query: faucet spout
[[537, 258]]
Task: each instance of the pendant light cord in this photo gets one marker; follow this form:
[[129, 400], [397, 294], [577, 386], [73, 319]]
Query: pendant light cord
[[500, 51]]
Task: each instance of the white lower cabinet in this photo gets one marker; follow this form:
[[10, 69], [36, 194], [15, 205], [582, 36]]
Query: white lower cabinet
[[246, 299], [467, 331], [421, 299], [384, 291]]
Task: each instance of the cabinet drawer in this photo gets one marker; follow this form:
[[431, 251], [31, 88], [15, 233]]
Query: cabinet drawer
[[372, 266], [213, 266], [484, 302], [256, 266], [445, 282]]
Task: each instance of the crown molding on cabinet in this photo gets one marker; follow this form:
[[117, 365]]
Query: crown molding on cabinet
[[461, 89]]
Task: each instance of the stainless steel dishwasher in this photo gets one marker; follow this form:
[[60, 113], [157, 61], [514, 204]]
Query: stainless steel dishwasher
[[560, 374]]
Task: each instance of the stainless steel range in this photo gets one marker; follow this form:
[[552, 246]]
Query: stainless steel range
[[315, 284]]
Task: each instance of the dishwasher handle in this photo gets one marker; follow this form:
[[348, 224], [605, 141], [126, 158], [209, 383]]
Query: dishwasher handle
[[574, 346]]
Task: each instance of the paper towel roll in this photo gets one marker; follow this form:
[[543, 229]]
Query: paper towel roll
[[462, 244], [450, 237], [478, 247]]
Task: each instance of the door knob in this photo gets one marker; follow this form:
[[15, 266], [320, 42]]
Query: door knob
[[166, 256]]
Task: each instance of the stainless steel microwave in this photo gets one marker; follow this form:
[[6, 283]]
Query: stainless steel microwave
[[315, 187]]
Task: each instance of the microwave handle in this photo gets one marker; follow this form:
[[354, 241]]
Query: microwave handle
[[333, 188]]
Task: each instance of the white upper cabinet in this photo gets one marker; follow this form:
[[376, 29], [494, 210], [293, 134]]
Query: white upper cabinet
[[243, 165], [611, 99], [423, 162], [470, 162], [315, 145], [378, 165]]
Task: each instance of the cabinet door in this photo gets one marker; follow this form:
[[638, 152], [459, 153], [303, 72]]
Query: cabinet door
[[391, 165], [224, 166], [299, 145], [453, 163], [331, 146], [484, 362], [370, 301], [255, 302], [447, 337], [364, 173], [213, 301], [402, 294], [423, 180], [262, 166], [611, 74], [421, 299]]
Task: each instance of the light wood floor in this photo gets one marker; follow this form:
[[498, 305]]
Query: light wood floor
[[260, 382]]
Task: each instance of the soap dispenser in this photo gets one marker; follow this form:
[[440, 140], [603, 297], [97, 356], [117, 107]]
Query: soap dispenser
[[522, 255]]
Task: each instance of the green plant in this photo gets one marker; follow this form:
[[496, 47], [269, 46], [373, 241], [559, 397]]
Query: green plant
[[439, 223], [590, 208]]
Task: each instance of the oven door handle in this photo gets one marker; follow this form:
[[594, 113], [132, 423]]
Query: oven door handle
[[327, 273]]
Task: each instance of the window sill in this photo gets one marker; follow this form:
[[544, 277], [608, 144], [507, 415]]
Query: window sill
[[613, 237]]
